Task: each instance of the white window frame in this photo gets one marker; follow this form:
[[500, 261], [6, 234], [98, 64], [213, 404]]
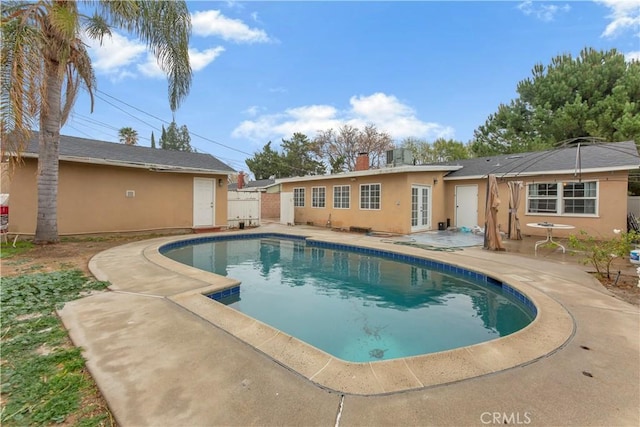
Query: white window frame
[[339, 201], [298, 202], [319, 197], [560, 199], [369, 202]]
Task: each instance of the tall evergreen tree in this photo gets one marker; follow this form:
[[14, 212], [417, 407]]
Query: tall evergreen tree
[[153, 140], [163, 138], [299, 158], [176, 139], [596, 94]]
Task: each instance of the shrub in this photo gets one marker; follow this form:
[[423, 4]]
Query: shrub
[[601, 253]]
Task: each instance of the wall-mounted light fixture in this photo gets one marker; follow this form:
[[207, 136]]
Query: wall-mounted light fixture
[[220, 182], [435, 181], [353, 179]]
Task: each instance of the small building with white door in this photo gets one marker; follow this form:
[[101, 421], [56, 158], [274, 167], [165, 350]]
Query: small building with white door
[[107, 187]]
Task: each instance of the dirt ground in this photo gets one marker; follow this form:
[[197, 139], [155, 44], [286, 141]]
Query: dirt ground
[[75, 253], [624, 286], [70, 253]]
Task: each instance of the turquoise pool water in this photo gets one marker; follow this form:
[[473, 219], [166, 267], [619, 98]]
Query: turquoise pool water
[[358, 306]]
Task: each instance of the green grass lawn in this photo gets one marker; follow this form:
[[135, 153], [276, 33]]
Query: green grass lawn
[[7, 250]]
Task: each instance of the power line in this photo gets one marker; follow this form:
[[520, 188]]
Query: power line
[[166, 122], [291, 168]]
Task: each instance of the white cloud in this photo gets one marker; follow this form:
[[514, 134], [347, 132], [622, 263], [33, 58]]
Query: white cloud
[[625, 15], [115, 54], [632, 56], [386, 112], [197, 59], [253, 110], [200, 59], [150, 67], [213, 23], [120, 57], [544, 12]]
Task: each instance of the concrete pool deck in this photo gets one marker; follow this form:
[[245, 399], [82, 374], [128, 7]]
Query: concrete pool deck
[[159, 360]]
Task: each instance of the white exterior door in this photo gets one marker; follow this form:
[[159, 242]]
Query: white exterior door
[[466, 205], [203, 206], [286, 209], [420, 208]]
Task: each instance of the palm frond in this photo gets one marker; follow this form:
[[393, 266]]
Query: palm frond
[[21, 71], [165, 26], [96, 27]]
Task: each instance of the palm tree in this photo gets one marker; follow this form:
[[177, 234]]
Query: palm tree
[[44, 62], [128, 136]]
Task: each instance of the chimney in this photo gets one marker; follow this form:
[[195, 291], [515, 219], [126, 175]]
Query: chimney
[[240, 180], [362, 162]]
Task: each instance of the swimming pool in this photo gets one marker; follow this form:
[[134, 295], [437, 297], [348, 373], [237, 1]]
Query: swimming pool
[[357, 304]]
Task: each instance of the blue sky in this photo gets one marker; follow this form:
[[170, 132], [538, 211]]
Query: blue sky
[[264, 70]]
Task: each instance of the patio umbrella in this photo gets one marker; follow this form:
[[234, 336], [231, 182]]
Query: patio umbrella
[[514, 202], [491, 232]]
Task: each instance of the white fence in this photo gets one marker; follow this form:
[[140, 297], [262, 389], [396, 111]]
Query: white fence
[[243, 208]]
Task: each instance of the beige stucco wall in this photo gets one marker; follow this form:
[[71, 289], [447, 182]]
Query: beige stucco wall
[[612, 205], [394, 215], [92, 199], [4, 177]]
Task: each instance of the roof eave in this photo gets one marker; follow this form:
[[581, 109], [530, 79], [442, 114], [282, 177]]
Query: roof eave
[[147, 166], [538, 173], [371, 172]]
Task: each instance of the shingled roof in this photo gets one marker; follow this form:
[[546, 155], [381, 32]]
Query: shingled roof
[[85, 150], [593, 158], [253, 185]]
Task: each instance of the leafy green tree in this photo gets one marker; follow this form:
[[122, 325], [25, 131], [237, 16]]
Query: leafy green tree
[[267, 163], [163, 137], [420, 150], [447, 150], [174, 138], [596, 94], [299, 157], [441, 150], [128, 136], [337, 164], [44, 63]]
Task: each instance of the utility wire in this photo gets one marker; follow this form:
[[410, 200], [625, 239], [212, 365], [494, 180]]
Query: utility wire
[[291, 168]]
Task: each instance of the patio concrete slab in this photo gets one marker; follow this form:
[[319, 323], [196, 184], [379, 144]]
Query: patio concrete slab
[[159, 363]]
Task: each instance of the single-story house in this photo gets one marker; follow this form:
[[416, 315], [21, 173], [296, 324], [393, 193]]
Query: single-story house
[[110, 187], [585, 187]]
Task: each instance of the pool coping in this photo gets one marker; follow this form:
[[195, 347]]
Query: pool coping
[[552, 328]]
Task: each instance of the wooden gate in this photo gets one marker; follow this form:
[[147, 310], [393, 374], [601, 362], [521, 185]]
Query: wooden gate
[[243, 208]]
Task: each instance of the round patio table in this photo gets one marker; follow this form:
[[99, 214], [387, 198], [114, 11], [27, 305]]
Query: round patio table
[[549, 227]]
